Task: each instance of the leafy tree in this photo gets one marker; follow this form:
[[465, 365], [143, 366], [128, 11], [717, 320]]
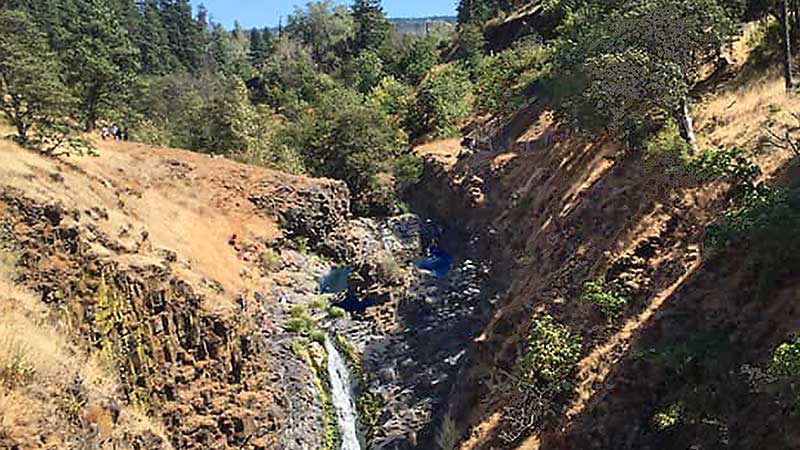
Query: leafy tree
[[325, 29], [443, 102], [346, 138], [364, 71], [472, 44], [229, 53], [186, 36], [288, 81], [100, 60], [421, 57], [33, 94], [395, 99], [503, 80], [372, 28], [640, 58]]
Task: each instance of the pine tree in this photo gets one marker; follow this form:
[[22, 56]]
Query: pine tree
[[100, 60], [259, 52], [31, 90], [187, 39], [372, 27], [153, 42]]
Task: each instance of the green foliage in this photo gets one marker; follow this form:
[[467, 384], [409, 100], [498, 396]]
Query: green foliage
[[301, 325], [668, 141], [365, 71], [729, 164], [33, 98], [785, 366], [320, 303], [346, 138], [419, 60], [15, 369], [503, 80], [605, 297], [443, 102], [626, 60], [669, 417], [369, 413], [230, 52], [270, 260], [471, 44], [551, 355], [408, 170], [372, 28], [337, 312], [448, 435], [395, 99], [326, 30]]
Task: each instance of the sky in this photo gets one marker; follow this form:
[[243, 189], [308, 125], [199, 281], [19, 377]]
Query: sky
[[261, 13]]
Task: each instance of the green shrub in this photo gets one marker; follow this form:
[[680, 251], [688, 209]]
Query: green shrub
[[318, 336], [301, 325], [551, 355], [503, 80], [298, 311], [320, 303], [443, 102], [785, 366], [669, 417], [336, 312], [667, 141], [448, 435], [369, 413], [270, 260], [408, 170], [730, 164], [607, 298]]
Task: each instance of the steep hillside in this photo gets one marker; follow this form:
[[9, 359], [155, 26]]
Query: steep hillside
[[559, 209], [149, 261]]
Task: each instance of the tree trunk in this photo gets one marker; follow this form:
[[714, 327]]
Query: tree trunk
[[19, 122], [787, 45], [686, 125], [795, 21], [90, 108]]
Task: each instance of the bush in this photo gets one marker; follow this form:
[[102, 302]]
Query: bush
[[669, 417], [270, 260], [551, 355], [785, 367], [336, 312], [408, 170], [15, 370], [667, 141], [607, 298], [302, 325], [503, 80], [443, 102], [731, 164], [320, 303]]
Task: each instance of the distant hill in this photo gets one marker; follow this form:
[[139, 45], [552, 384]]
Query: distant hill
[[418, 25]]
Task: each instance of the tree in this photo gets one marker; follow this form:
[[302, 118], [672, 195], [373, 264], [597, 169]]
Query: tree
[[787, 45], [33, 93], [640, 58], [186, 36], [325, 29], [365, 71], [346, 138], [260, 46], [421, 57], [372, 28], [229, 53], [154, 43], [100, 60], [443, 102]]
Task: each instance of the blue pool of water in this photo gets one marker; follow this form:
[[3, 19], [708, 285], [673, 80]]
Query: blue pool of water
[[336, 282], [438, 263]]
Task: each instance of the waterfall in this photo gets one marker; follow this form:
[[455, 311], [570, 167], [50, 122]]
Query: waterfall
[[342, 397]]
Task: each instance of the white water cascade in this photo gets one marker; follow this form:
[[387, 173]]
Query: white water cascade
[[342, 397]]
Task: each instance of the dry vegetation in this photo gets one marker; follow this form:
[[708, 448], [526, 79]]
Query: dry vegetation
[[52, 395]]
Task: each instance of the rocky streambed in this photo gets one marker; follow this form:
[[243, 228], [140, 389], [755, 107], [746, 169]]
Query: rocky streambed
[[405, 350]]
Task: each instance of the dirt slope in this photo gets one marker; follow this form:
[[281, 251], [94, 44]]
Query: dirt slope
[[150, 261], [560, 209]]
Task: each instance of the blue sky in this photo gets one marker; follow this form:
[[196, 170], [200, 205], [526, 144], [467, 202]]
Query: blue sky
[[259, 13]]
